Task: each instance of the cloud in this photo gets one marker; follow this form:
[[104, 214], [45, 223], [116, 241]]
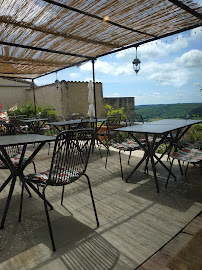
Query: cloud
[[180, 91], [100, 67], [199, 2], [197, 84], [115, 95], [192, 58], [109, 68], [166, 74], [175, 73], [196, 34], [74, 75], [153, 50]]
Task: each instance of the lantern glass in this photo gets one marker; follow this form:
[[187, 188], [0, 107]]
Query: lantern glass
[[136, 65], [57, 83]]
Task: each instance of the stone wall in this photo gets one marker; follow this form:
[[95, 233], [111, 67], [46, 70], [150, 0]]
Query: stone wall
[[119, 102], [14, 92], [70, 97]]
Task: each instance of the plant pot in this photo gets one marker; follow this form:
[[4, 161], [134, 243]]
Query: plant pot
[[101, 130], [75, 116]]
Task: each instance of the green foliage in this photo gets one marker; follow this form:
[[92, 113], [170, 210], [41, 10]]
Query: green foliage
[[28, 109], [112, 111], [166, 111], [194, 133], [162, 147]]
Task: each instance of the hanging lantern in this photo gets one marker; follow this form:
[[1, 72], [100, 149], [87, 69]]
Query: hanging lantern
[[57, 82], [136, 63]]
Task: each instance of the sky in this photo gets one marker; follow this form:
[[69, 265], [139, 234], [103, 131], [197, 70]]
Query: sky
[[170, 71]]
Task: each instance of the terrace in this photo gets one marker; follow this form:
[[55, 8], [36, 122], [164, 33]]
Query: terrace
[[139, 228]]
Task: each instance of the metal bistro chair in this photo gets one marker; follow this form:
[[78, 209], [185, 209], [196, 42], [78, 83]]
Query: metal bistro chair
[[20, 127], [135, 118], [112, 122], [128, 145], [14, 152], [189, 155], [69, 163]]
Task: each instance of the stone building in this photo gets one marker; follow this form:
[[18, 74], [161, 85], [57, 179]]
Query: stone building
[[70, 97]]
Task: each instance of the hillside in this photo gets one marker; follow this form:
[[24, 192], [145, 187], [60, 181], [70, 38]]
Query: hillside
[[183, 110]]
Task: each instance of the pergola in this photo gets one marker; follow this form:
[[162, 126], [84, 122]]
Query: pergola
[[39, 37]]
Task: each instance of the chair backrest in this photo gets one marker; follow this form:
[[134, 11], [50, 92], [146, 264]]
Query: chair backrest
[[135, 117], [52, 118], [70, 155], [9, 129], [114, 121], [85, 124]]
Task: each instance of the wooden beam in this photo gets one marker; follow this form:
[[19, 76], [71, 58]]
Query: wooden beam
[[185, 7], [43, 49]]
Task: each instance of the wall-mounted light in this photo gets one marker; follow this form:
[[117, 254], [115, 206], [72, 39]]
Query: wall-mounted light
[[136, 63]]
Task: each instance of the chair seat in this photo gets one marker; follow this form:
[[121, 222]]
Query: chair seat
[[188, 155], [61, 177], [15, 160], [150, 139], [107, 133], [128, 145], [190, 144]]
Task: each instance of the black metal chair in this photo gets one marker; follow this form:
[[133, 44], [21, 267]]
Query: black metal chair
[[14, 152], [135, 118], [69, 163], [112, 122], [20, 127], [128, 145], [189, 155]]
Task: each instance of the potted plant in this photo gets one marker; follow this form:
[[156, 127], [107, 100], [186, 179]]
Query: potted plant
[[110, 111]]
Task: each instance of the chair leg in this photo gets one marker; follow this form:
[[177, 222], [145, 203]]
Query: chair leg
[[62, 196], [106, 158], [129, 157], [28, 191], [121, 165], [146, 165], [186, 169], [34, 166], [91, 194], [48, 148], [21, 203], [48, 220], [180, 167], [99, 148], [98, 145], [169, 173]]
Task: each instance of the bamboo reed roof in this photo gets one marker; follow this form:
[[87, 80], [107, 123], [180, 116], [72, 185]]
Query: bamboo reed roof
[[38, 37]]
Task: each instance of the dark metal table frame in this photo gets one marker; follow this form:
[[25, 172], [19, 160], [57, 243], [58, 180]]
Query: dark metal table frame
[[80, 122], [169, 129], [67, 124], [34, 124], [24, 140]]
